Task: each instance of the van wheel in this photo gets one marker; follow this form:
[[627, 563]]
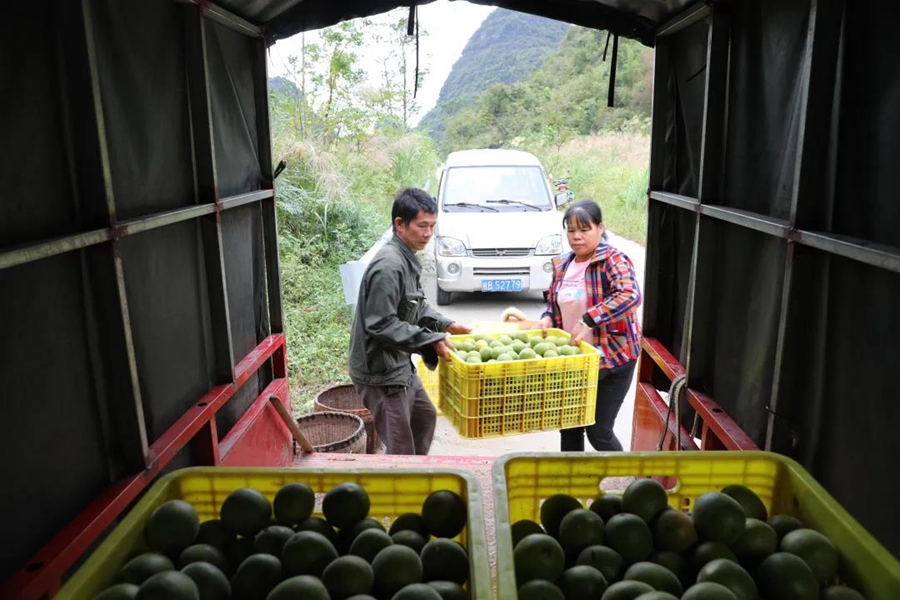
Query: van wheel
[[443, 298]]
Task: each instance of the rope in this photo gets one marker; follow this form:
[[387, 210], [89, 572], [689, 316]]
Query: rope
[[676, 392]]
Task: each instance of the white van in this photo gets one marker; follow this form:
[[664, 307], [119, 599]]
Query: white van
[[498, 225]]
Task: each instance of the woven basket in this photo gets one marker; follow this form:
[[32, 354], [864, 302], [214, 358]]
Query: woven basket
[[334, 432], [343, 398]]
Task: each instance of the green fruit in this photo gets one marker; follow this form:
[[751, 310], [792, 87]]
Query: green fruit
[[645, 498], [140, 568], [271, 540], [606, 560], [607, 506], [708, 552], [320, 526], [540, 589], [784, 524], [486, 354], [204, 553], [307, 553], [816, 550], [395, 567], [496, 344], [345, 505], [630, 536], [505, 339], [172, 527], [497, 352], [246, 512], [674, 531], [211, 582], [238, 549], [551, 354], [839, 592], [451, 591], [506, 357], [346, 536], [479, 344], [444, 514], [168, 585], [751, 503], [719, 518], [567, 350], [410, 539], [417, 591], [527, 354], [654, 575], [731, 575], [465, 346], [444, 560], [302, 586], [544, 347], [214, 533], [554, 509], [656, 596], [348, 576], [256, 577], [534, 341], [579, 529], [518, 346], [757, 542], [293, 503], [538, 556], [626, 590], [410, 521], [522, 528], [708, 590], [521, 336], [362, 597], [582, 583], [474, 360], [784, 576], [120, 591], [369, 543], [672, 561]]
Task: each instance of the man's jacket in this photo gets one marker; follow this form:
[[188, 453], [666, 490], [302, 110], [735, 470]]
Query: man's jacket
[[392, 320]]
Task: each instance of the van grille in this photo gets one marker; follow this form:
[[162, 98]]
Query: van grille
[[500, 271], [500, 252]]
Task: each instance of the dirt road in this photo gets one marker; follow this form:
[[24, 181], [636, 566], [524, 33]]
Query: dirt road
[[468, 308]]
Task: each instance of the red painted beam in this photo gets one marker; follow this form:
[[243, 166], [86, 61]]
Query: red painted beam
[[41, 576], [728, 432], [649, 397], [662, 357], [257, 439]]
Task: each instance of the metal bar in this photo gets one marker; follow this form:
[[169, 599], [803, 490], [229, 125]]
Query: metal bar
[[762, 223], [224, 17], [273, 273], [52, 562], [780, 339], [697, 12], [685, 202], [662, 357], [714, 104], [661, 408], [245, 199], [725, 428], [870, 253], [659, 115], [260, 72], [207, 191]]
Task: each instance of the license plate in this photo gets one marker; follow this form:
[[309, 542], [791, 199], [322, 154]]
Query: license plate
[[501, 285]]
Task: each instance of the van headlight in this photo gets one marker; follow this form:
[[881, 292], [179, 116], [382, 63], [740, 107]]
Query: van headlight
[[552, 244], [448, 246]]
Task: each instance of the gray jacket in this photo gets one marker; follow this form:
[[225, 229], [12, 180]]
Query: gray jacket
[[392, 320]]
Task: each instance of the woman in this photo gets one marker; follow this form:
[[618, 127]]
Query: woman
[[594, 296]]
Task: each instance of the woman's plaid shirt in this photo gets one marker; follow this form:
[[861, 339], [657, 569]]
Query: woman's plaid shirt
[[613, 296]]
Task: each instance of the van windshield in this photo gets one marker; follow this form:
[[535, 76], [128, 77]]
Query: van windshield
[[500, 188]]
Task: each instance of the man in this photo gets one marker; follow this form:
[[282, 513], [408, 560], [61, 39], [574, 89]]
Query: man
[[392, 321]]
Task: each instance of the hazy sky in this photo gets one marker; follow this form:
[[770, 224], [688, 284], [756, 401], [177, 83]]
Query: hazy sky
[[449, 26]]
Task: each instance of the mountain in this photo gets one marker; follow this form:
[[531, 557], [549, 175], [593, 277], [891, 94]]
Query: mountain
[[506, 48]]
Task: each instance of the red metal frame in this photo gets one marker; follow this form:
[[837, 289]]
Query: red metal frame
[[719, 431], [42, 575]]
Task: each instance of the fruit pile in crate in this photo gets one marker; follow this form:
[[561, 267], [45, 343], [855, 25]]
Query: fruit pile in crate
[[517, 383]]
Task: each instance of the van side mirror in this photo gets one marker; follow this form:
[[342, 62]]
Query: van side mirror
[[563, 198]]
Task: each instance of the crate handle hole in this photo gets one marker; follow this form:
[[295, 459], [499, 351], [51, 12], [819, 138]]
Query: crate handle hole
[[201, 404], [616, 484]]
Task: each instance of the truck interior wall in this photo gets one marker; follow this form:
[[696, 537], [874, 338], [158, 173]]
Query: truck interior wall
[[66, 386], [829, 394]]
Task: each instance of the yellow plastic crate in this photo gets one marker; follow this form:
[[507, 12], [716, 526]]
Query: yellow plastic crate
[[507, 398], [431, 382], [391, 493], [522, 481]]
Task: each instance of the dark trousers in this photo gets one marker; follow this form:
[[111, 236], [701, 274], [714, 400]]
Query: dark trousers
[[404, 416], [611, 390]]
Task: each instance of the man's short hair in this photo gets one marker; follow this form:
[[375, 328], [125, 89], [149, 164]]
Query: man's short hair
[[409, 202]]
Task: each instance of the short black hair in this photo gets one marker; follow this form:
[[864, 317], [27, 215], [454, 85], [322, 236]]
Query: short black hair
[[583, 212], [409, 202]]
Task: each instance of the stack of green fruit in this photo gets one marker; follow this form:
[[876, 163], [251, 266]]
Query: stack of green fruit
[[522, 345], [247, 554], [637, 547]]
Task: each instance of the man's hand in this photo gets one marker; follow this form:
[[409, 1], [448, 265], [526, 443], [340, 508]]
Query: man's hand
[[545, 323], [458, 328], [443, 348], [580, 332]]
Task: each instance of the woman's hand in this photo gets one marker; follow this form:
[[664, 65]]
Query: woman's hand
[[580, 332], [545, 323], [455, 328]]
